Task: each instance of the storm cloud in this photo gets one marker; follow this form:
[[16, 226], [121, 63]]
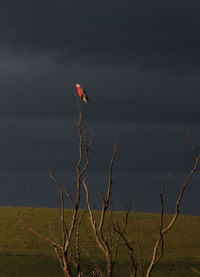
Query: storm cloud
[[147, 34], [139, 62]]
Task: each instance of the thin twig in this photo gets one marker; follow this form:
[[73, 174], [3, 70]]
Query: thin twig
[[78, 266], [195, 270], [52, 242], [61, 189], [141, 269]]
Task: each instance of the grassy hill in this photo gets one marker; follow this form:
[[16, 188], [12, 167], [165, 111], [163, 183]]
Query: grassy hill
[[25, 255]]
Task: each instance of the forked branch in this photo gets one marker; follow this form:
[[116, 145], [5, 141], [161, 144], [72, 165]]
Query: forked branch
[[98, 232], [128, 244], [64, 251], [163, 230]]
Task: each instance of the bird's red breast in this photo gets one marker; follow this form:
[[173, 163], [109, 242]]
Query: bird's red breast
[[80, 90], [82, 93]]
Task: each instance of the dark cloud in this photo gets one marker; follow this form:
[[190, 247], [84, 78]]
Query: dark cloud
[[35, 88], [139, 62], [117, 50], [148, 34], [147, 153]]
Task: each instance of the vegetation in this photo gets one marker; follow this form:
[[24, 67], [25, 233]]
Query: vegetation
[[98, 248], [101, 243], [23, 254]]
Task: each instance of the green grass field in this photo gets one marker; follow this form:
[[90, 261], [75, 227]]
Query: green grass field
[[25, 255]]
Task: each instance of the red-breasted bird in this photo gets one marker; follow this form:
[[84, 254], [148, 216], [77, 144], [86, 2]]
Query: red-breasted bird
[[82, 93]]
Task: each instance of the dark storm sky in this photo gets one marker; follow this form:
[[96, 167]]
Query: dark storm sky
[[140, 64]]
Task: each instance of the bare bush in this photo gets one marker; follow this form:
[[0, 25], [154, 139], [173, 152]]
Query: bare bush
[[108, 238], [68, 254]]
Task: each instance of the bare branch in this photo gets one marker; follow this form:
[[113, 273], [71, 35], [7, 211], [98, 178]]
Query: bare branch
[[137, 243], [52, 234], [62, 217], [91, 217], [195, 270], [64, 251], [61, 189], [109, 189], [97, 271], [160, 241], [163, 230], [59, 257], [52, 242], [78, 266], [190, 140], [117, 243], [99, 236], [182, 190], [117, 229], [131, 251], [115, 150]]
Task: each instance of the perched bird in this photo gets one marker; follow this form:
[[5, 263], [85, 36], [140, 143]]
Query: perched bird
[[82, 93]]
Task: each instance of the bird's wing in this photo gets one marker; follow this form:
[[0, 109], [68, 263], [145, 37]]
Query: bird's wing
[[86, 95]]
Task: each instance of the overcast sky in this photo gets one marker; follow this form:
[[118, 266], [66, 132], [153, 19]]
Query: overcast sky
[[140, 64]]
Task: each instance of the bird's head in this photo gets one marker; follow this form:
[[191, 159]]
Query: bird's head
[[78, 86]]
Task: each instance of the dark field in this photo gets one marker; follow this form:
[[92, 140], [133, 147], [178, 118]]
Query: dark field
[[25, 255]]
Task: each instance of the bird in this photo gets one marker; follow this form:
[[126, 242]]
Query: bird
[[82, 93]]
